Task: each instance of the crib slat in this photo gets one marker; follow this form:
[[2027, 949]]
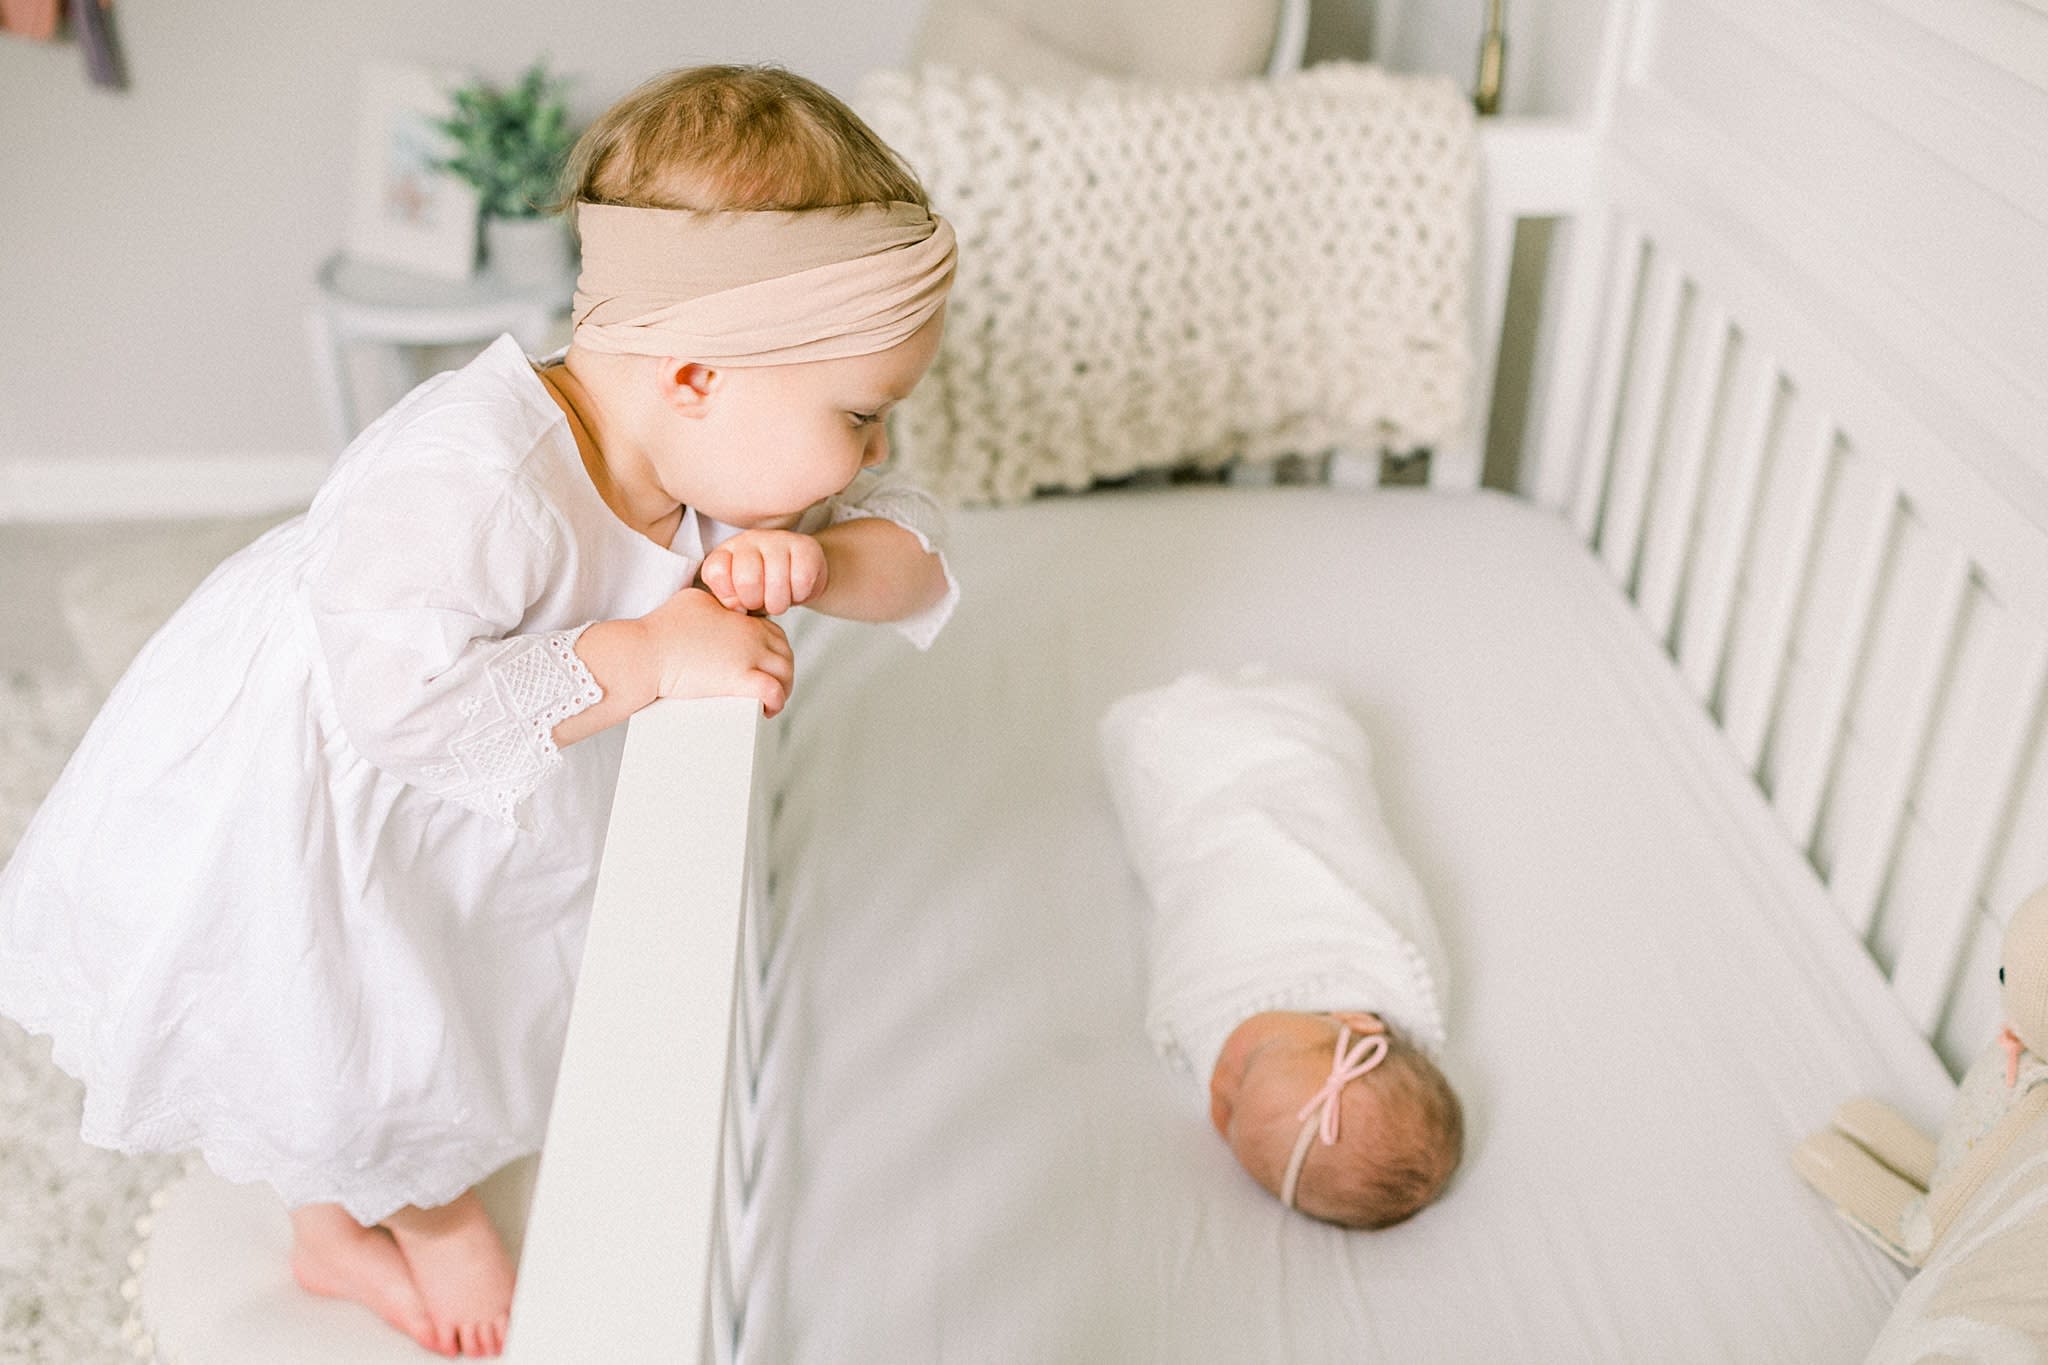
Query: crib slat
[[1856, 879], [1974, 1011], [1558, 405], [731, 1241], [1596, 438], [1704, 629], [2022, 866], [1459, 462], [1636, 443], [2002, 714], [1758, 668], [1677, 503], [1807, 767], [721, 1343]]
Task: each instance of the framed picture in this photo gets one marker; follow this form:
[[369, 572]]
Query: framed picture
[[404, 210]]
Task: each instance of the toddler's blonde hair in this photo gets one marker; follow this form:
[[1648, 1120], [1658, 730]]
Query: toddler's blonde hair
[[734, 138]]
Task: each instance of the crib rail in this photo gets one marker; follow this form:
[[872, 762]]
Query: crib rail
[[636, 1218], [1832, 553]]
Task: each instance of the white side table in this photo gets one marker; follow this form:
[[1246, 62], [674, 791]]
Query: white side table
[[360, 302]]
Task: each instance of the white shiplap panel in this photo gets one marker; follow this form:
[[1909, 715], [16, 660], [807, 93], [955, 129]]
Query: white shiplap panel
[[1774, 579], [1735, 468], [1943, 267], [1596, 441], [1892, 712], [1961, 806], [1642, 417], [1848, 561], [1674, 518]]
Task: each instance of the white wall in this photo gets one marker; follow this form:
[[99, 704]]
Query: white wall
[[157, 246], [1552, 47]]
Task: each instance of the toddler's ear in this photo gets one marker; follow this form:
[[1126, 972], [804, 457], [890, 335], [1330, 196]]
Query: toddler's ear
[[1361, 1023], [686, 385]]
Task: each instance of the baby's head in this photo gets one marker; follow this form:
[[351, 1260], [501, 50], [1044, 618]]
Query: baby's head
[[1399, 1128], [762, 280]]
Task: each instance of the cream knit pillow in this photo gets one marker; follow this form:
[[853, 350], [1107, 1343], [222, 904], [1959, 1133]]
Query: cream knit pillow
[[1153, 275]]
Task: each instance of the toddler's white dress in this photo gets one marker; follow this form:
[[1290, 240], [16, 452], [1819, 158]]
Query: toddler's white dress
[[311, 894], [1248, 809]]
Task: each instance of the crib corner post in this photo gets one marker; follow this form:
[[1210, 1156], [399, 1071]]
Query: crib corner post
[[1529, 168], [619, 1256]]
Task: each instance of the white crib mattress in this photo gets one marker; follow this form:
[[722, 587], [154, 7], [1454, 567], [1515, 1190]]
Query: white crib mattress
[[969, 1151]]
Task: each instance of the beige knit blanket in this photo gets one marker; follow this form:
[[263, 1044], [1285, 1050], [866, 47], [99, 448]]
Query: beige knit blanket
[[1156, 275]]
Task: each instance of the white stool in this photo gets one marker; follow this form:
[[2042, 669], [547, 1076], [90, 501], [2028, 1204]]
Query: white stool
[[362, 302]]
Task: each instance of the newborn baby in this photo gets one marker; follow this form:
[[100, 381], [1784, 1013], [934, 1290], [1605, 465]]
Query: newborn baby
[[1294, 968]]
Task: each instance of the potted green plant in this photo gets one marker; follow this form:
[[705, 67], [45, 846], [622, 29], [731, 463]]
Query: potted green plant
[[511, 143]]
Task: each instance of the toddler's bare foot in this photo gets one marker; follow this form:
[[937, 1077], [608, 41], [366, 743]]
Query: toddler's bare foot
[[338, 1258], [462, 1272]]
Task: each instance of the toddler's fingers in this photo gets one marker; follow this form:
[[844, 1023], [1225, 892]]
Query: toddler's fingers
[[770, 691], [778, 664], [746, 578], [775, 587], [717, 576], [803, 580]]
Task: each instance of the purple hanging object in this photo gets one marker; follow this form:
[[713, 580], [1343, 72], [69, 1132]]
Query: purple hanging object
[[94, 25]]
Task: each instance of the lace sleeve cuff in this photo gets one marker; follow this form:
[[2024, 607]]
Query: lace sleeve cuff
[[534, 683]]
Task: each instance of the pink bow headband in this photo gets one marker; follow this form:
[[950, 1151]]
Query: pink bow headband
[[1320, 1113]]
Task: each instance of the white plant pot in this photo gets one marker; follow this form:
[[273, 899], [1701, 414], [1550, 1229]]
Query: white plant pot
[[526, 251]]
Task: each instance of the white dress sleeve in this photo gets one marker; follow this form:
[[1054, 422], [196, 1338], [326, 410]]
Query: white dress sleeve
[[432, 570], [916, 511]]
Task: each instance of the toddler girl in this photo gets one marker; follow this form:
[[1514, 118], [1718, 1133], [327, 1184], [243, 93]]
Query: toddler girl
[[311, 895], [1294, 967]]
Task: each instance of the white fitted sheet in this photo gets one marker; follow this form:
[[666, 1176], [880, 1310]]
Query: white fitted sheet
[[969, 1152]]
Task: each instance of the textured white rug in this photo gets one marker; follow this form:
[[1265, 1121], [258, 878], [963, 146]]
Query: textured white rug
[[67, 1211]]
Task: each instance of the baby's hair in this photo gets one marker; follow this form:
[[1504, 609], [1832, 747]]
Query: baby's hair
[[1410, 1136], [734, 138]]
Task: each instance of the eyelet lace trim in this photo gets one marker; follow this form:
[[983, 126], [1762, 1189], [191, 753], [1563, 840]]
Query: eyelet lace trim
[[536, 683]]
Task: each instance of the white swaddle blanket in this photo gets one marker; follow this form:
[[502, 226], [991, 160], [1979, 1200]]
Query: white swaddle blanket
[[1248, 809]]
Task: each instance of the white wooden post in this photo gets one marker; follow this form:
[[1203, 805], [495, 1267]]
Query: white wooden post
[[618, 1244], [1528, 168]]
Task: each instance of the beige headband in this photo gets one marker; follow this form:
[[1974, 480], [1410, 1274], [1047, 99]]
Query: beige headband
[[758, 288]]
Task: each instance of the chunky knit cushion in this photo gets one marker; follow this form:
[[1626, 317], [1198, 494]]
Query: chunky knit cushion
[[1153, 275]]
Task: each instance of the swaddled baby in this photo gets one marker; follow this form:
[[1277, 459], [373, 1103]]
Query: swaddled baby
[[1294, 968]]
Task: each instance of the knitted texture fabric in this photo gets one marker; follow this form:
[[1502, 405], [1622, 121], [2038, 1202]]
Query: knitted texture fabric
[[1154, 276]]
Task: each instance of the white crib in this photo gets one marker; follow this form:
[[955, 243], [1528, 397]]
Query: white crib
[[1857, 601], [1790, 407], [1859, 605]]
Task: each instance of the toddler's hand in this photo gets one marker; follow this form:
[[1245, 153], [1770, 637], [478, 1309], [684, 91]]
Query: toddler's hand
[[769, 571], [703, 650]]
